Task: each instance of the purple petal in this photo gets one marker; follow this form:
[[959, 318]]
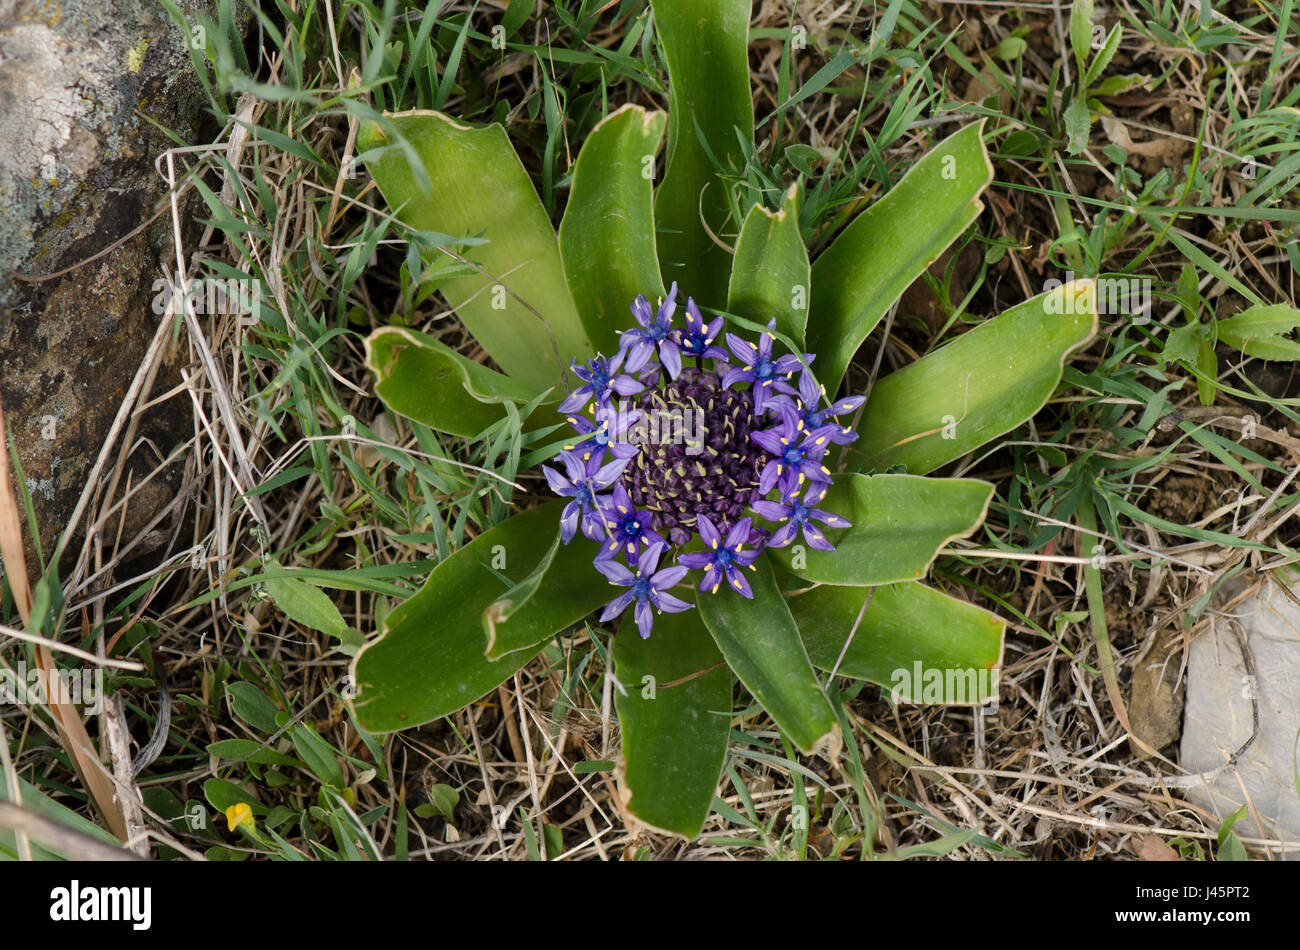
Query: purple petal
[[557, 481], [695, 559], [617, 605], [738, 583], [615, 572], [576, 399], [829, 518], [744, 350], [644, 617], [672, 605], [738, 534], [709, 533], [649, 559], [771, 510], [671, 357], [639, 354], [668, 577], [626, 385], [813, 535], [770, 441], [569, 521], [783, 535], [733, 375], [712, 579]]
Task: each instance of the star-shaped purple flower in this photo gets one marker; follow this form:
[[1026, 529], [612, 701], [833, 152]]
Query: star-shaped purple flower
[[629, 529], [796, 453], [609, 434], [600, 378], [811, 394], [697, 338], [801, 514], [725, 559], [757, 366], [648, 587], [583, 480], [653, 334]]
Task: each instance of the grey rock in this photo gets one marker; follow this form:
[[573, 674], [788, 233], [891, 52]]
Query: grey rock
[[1220, 712], [76, 176]]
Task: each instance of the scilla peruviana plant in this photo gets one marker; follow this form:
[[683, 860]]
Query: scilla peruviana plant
[[810, 529]]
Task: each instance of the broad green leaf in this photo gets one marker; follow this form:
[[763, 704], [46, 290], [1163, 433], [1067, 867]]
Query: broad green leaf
[[675, 729], [761, 643], [479, 187], [977, 387], [1078, 123], [418, 377], [1261, 331], [770, 275], [899, 522], [706, 46], [1182, 342], [317, 753], [905, 626], [306, 604], [520, 618], [607, 237], [890, 245], [252, 706], [430, 660]]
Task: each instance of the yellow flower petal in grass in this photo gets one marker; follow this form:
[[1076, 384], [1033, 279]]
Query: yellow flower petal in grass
[[237, 814]]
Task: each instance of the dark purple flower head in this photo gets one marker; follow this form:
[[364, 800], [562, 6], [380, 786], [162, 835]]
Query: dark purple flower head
[[647, 587], [600, 378], [692, 455], [654, 334]]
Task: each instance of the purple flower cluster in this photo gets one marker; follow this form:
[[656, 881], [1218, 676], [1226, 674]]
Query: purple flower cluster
[[686, 437]]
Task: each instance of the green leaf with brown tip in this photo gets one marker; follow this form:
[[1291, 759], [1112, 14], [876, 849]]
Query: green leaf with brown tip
[[418, 377], [982, 384], [899, 523], [904, 626], [890, 244], [518, 305], [607, 237], [770, 274]]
